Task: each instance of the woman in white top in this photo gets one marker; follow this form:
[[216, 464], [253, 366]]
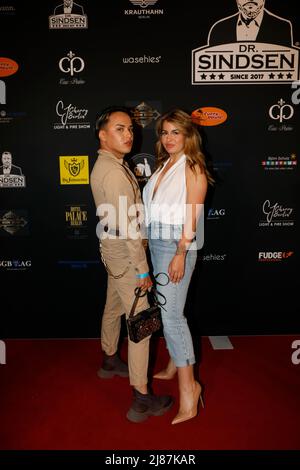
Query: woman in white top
[[173, 199]]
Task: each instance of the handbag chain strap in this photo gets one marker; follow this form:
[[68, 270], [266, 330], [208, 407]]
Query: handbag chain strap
[[152, 292]]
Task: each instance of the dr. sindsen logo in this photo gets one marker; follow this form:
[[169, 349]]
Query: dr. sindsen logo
[[68, 15], [251, 46], [11, 176]]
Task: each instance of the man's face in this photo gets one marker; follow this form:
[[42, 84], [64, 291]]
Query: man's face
[[117, 135], [6, 159], [250, 9], [68, 3]]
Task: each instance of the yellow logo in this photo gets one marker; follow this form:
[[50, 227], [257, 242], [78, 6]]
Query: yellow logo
[[74, 169], [76, 216]]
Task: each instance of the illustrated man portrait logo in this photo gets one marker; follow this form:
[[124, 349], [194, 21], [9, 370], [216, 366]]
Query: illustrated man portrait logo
[[252, 22], [68, 7], [7, 168], [68, 15], [251, 46]]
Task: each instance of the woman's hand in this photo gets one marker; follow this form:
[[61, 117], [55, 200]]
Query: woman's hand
[[176, 268]]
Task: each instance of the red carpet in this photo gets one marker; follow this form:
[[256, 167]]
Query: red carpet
[[51, 398]]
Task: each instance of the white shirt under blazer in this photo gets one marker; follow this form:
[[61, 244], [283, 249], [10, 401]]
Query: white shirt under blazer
[[169, 201]]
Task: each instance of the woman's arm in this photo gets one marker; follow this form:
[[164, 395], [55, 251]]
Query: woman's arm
[[196, 185], [196, 188]]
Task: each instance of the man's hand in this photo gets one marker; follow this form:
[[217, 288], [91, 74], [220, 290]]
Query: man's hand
[[144, 283]]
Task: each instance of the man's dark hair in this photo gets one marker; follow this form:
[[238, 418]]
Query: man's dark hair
[[103, 117]]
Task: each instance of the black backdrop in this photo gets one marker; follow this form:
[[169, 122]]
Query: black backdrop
[[53, 284]]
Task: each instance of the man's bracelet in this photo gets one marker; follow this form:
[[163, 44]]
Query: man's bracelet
[[141, 276]]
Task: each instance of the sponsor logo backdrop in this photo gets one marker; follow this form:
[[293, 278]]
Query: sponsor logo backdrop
[[60, 64]]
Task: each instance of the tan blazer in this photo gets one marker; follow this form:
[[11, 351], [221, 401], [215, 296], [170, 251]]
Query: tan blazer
[[109, 180]]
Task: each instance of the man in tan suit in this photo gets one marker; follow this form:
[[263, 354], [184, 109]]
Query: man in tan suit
[[118, 200]]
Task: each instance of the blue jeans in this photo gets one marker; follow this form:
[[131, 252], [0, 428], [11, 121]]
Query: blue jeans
[[175, 327]]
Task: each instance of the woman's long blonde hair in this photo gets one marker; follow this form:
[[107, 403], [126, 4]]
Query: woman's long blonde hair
[[193, 141]]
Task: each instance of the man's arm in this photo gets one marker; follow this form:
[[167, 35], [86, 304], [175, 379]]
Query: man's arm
[[119, 193]]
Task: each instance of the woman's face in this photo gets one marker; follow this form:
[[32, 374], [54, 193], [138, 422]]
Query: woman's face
[[172, 139]]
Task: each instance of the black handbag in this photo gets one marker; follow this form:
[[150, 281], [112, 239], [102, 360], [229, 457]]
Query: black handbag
[[147, 321]]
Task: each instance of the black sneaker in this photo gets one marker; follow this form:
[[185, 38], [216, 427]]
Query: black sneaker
[[111, 366], [145, 405]]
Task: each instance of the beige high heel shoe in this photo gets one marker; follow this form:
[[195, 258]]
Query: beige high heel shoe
[[168, 373], [192, 411]]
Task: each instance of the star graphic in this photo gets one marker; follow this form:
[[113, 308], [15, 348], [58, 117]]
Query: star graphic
[[203, 76], [271, 75], [289, 75], [221, 76], [280, 75], [212, 76]]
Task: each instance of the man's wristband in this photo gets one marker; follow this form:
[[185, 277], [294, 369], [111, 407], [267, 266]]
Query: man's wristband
[[141, 276]]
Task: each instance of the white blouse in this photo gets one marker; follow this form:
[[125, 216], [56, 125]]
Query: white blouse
[[168, 204]]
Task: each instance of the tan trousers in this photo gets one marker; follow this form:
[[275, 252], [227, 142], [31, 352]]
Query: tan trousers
[[119, 299]]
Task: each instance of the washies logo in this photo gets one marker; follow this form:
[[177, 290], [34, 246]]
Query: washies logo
[[74, 169]]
